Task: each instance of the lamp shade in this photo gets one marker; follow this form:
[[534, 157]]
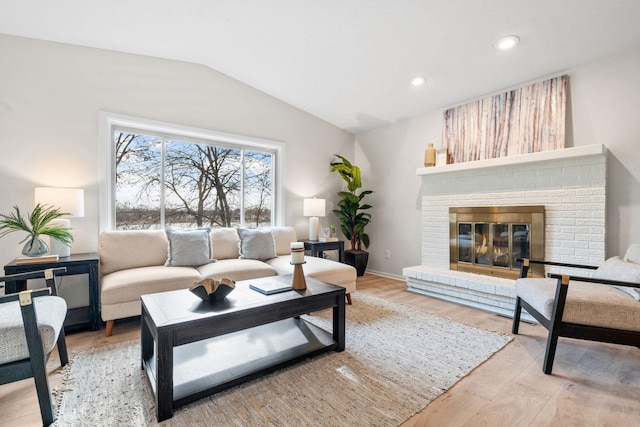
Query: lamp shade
[[314, 207], [70, 200]]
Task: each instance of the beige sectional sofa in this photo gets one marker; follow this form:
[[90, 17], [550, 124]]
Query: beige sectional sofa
[[134, 263]]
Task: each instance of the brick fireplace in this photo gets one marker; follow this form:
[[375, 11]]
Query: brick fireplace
[[569, 184]]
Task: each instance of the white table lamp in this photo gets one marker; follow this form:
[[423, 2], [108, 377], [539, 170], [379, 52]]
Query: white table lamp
[[314, 208], [69, 200]]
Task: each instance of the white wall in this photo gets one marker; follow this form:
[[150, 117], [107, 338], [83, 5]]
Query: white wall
[[50, 96], [604, 101]]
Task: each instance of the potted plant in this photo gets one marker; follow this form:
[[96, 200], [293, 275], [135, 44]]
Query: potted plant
[[38, 223], [350, 213]]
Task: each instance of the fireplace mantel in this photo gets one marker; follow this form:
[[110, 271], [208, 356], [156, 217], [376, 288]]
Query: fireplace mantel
[[565, 153]]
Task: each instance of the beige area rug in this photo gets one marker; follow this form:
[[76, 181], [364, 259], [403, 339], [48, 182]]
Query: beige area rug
[[397, 360]]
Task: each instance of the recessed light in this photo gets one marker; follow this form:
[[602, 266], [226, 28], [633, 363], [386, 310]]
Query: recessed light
[[418, 80], [507, 42]]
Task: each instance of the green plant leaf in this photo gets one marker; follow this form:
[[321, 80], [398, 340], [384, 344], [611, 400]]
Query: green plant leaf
[[37, 223]]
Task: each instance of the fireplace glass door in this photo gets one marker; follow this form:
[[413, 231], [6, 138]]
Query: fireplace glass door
[[493, 244], [489, 239]]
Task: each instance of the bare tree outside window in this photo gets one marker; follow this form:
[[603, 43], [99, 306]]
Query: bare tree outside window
[[197, 184], [258, 184]]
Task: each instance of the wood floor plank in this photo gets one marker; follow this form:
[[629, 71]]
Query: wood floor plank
[[593, 384]]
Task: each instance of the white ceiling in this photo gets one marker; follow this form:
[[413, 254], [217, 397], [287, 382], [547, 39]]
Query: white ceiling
[[348, 61]]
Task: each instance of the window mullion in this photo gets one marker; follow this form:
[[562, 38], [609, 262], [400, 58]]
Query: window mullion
[[242, 165], [163, 157]]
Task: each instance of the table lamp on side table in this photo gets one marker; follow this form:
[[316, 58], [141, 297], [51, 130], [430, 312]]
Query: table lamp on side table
[[314, 208], [69, 200]]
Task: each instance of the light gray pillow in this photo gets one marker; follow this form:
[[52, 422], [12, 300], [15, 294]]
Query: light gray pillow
[[256, 244], [633, 254], [616, 269], [188, 248]]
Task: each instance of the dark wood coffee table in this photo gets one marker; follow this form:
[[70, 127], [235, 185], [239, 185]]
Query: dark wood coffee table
[[193, 348]]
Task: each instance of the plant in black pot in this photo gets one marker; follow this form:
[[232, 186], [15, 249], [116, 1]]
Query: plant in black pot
[[350, 212]]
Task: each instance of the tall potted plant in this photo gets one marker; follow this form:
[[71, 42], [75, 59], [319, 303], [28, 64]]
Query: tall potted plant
[[350, 213], [38, 223]]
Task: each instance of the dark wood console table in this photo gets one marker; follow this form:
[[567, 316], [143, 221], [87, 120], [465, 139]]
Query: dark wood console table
[[86, 263], [317, 248]]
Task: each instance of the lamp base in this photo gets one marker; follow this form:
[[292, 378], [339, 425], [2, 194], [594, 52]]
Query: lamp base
[[298, 283], [314, 222]]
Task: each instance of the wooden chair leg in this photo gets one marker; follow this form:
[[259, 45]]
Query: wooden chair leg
[[349, 299], [516, 317], [62, 348], [38, 366], [550, 353], [109, 329]]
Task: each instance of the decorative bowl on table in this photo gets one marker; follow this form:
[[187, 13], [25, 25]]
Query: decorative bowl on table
[[213, 290]]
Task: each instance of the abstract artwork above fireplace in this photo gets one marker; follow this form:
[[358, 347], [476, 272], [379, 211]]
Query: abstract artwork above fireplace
[[526, 120]]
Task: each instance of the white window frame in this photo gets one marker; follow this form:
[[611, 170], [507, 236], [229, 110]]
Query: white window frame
[[109, 122]]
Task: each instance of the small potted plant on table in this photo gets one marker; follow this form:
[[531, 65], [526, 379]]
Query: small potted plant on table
[[38, 223]]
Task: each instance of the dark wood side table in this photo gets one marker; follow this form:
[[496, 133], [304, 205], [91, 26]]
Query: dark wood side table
[[317, 248], [76, 264]]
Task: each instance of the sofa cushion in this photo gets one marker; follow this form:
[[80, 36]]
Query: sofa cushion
[[321, 269], [128, 285], [236, 269], [633, 254], [224, 243], [587, 303], [256, 244], [282, 238], [616, 269], [121, 250], [188, 248]]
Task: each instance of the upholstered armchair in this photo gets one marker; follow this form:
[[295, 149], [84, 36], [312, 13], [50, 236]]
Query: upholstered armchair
[[30, 326], [601, 304]]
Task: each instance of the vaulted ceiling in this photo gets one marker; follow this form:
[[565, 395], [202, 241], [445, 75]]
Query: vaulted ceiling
[[348, 62]]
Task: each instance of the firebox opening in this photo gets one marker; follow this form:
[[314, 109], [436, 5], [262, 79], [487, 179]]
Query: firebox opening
[[489, 240]]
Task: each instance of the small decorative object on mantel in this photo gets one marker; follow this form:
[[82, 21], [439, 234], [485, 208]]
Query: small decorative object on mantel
[[213, 290], [442, 157], [297, 259], [430, 156], [38, 223]]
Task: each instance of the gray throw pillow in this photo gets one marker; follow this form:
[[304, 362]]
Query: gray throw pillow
[[256, 244], [189, 248], [616, 269]]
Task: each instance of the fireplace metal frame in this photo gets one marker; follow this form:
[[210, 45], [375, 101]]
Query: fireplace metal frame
[[533, 215]]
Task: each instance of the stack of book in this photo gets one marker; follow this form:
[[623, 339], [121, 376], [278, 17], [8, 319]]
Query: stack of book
[[36, 259]]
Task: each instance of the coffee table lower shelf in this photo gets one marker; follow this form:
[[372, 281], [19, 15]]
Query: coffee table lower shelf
[[209, 366]]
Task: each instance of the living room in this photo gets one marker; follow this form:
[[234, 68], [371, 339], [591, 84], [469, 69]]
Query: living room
[[52, 94]]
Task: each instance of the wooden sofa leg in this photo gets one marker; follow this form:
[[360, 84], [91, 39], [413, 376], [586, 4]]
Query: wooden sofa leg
[[109, 329], [349, 299]]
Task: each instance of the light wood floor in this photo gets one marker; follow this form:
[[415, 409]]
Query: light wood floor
[[593, 384]]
